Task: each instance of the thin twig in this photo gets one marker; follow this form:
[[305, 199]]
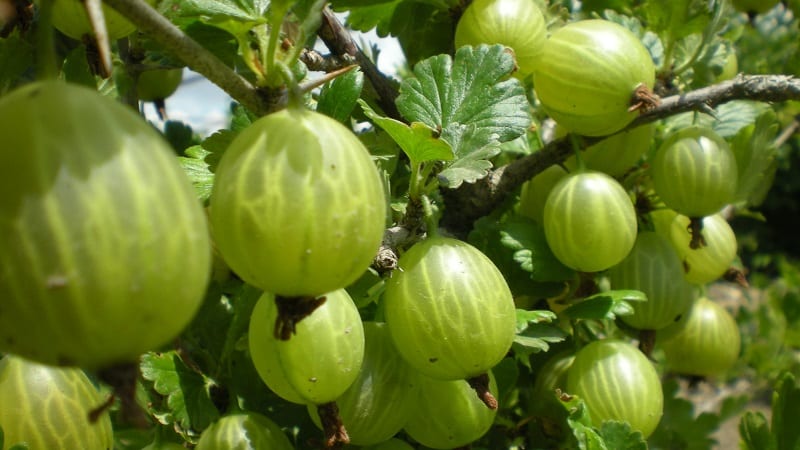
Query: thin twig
[[472, 201], [161, 30], [339, 41]]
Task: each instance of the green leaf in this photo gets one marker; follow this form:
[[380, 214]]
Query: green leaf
[[369, 14], [536, 338], [506, 374], [309, 15], [338, 97], [233, 15], [418, 141], [525, 318], [198, 171], [367, 289], [729, 118], [677, 19], [179, 135], [679, 426], [756, 159], [525, 237], [76, 68], [422, 30], [620, 436], [649, 39], [486, 235], [785, 411], [580, 422], [605, 305], [17, 56], [474, 103], [219, 325], [216, 144], [754, 432], [188, 402], [218, 41]]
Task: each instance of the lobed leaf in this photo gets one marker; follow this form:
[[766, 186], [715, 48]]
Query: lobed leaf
[[754, 432], [17, 56], [620, 436], [531, 251], [188, 402], [580, 422], [756, 155], [605, 305], [338, 97], [679, 426], [474, 103], [365, 15], [198, 171], [418, 141], [785, 410]]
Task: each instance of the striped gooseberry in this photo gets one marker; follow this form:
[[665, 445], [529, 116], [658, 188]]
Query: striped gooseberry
[[654, 268], [694, 172], [70, 18], [297, 207], [594, 70], [709, 262], [616, 154], [158, 84], [162, 445], [48, 407], [533, 195], [320, 361], [589, 221], [617, 382], [704, 343], [448, 414], [107, 252], [391, 444], [245, 430], [517, 24], [379, 402], [449, 310]]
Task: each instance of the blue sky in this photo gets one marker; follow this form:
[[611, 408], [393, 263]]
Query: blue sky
[[205, 107]]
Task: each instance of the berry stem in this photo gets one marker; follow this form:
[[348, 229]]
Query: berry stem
[[335, 432], [695, 228], [122, 380], [291, 310], [48, 67], [647, 342], [480, 384]]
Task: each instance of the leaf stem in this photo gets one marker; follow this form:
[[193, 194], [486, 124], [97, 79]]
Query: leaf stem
[[577, 148], [48, 67], [431, 219]]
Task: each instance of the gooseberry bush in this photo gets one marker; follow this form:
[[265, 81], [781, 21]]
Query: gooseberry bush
[[515, 240]]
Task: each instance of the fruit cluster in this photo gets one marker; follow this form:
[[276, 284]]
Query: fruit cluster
[[112, 255]]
